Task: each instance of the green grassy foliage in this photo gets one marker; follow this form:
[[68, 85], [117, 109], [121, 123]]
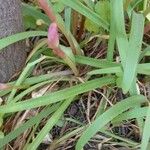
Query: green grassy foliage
[[123, 22]]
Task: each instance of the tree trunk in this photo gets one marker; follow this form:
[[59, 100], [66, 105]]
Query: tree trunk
[[13, 57]]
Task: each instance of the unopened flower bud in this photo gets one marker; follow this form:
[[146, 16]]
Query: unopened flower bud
[[53, 36], [48, 10], [4, 86]]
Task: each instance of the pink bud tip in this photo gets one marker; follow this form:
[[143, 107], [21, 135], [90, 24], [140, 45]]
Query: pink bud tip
[[4, 86], [53, 36], [48, 10]]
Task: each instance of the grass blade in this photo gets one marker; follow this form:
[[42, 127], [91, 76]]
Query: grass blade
[[112, 37], [134, 113], [95, 62], [107, 116], [14, 134], [22, 77], [18, 37], [110, 70], [146, 133], [29, 10], [87, 12], [57, 96], [121, 37], [49, 125], [41, 78], [133, 52]]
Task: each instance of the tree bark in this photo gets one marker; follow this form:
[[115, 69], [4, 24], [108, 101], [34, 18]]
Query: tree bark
[[13, 57]]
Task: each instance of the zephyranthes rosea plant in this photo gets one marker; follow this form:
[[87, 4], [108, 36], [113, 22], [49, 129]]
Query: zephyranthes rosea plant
[[32, 107], [66, 53]]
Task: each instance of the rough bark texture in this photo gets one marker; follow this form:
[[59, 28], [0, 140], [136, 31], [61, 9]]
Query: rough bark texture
[[13, 57]]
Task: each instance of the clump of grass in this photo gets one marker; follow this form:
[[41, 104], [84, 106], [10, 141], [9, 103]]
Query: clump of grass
[[70, 95]]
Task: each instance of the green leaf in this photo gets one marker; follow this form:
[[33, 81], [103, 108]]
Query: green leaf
[[30, 89], [18, 37], [69, 59], [38, 79], [58, 7], [89, 3], [131, 114], [107, 116], [119, 26], [132, 5], [148, 17], [133, 51], [29, 22], [57, 96], [31, 122], [103, 9], [29, 10], [68, 15], [50, 123], [110, 70], [144, 68], [145, 52], [87, 12], [146, 133], [97, 63], [25, 73], [112, 37], [91, 27]]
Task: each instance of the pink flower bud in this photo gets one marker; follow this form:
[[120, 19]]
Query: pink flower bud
[[53, 36], [4, 86], [48, 10]]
